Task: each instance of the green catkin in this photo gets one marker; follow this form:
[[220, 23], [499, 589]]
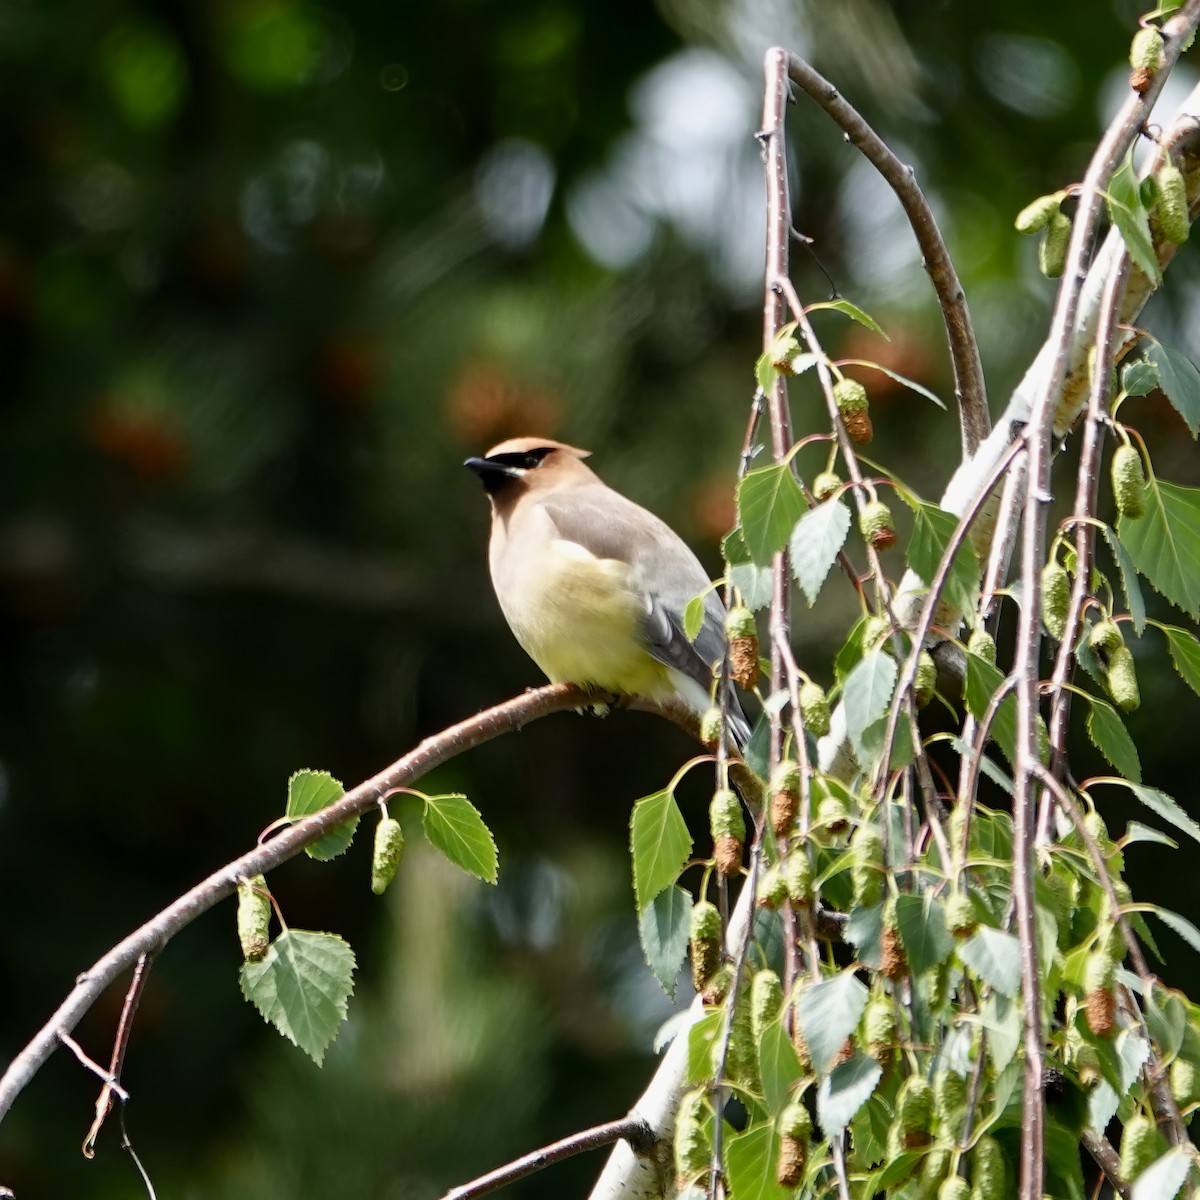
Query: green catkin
[[1185, 1081], [728, 828], [826, 484], [1172, 203], [879, 1028], [254, 918], [795, 1130], [961, 918], [950, 1104], [850, 397], [1056, 597], [914, 1111], [875, 629], [1129, 481], [833, 814], [925, 679], [385, 859], [691, 1145], [705, 941], [742, 634], [988, 1172], [814, 708], [1139, 1146], [982, 645], [866, 865], [742, 1060], [1121, 680], [1037, 214], [1105, 637], [771, 891], [1145, 58], [876, 525], [766, 999], [797, 876], [1052, 250], [954, 1188], [710, 728]]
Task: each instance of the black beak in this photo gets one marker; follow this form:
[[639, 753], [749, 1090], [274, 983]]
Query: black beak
[[492, 474]]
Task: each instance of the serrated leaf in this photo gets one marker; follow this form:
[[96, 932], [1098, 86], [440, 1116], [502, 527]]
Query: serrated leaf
[[1129, 580], [308, 793], [1163, 1178], [1111, 738], [1185, 654], [702, 1041], [663, 927], [995, 956], [983, 681], [1002, 1020], [844, 1091], [302, 986], [1164, 543], [1139, 378], [693, 616], [1128, 214], [1135, 831], [1103, 1103], [933, 528], [903, 380], [816, 541], [829, 1012], [986, 765], [922, 926], [867, 693], [864, 931], [778, 1066], [1180, 925], [1180, 383], [659, 843], [454, 826], [750, 1164], [1166, 806], [754, 583], [769, 504], [853, 312], [869, 1132]]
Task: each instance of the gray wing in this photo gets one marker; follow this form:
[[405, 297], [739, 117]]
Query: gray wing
[[662, 568]]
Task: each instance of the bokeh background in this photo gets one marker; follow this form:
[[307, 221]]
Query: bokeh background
[[269, 270]]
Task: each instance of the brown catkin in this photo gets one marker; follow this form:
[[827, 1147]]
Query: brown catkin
[[851, 399], [784, 806], [742, 632], [789, 1166], [892, 963], [728, 830], [1099, 995], [876, 525], [705, 941]]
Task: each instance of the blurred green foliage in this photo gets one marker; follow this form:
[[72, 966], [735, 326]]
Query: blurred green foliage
[[268, 272]]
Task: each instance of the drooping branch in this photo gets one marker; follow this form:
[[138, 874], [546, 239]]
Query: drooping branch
[[150, 937], [969, 386]]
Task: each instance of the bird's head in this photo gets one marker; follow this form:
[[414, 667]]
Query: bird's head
[[520, 464]]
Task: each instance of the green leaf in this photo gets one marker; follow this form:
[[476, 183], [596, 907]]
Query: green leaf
[[995, 956], [869, 1131], [301, 987], [866, 695], [816, 541], [663, 927], [660, 844], [1111, 738], [1180, 925], [844, 1091], [309, 792], [769, 504], [1166, 1021], [1180, 383], [1001, 1017], [864, 931], [1164, 542], [1163, 1178], [983, 681], [853, 312], [1064, 1174], [753, 582], [933, 528], [1185, 654], [1129, 580], [778, 1066], [750, 1164], [903, 380], [1135, 831], [921, 921], [693, 616], [702, 1042], [453, 826], [829, 1012], [1166, 806], [1128, 214], [1139, 378]]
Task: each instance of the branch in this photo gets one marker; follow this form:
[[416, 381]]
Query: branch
[[151, 937], [628, 1129], [969, 387]]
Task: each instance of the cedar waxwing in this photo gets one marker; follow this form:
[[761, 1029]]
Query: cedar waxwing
[[594, 586]]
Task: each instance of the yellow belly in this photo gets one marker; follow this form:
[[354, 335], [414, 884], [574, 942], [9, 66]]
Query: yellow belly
[[581, 623]]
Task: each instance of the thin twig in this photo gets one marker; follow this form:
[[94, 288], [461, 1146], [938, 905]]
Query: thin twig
[[1106, 1158], [964, 349], [91, 1064], [629, 1129], [120, 1045]]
